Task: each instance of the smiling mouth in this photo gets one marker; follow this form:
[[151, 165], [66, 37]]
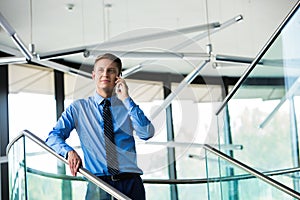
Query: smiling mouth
[[105, 81]]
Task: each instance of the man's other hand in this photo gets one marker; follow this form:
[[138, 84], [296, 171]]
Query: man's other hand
[[74, 161]]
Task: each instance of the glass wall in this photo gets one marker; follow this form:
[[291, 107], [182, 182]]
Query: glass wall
[[263, 114], [34, 175], [248, 186], [31, 100], [262, 117], [193, 119]]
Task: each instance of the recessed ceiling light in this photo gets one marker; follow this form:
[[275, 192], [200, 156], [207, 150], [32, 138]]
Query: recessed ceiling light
[[70, 7], [108, 5]]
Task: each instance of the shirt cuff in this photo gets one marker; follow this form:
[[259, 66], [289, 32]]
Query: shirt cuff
[[129, 103], [65, 151]]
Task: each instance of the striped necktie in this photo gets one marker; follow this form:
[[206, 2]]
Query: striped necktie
[[111, 152]]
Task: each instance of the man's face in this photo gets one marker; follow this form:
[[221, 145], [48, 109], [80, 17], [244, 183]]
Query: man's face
[[105, 74]]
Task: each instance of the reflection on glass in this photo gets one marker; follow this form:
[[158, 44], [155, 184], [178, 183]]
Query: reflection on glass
[[17, 184], [241, 185], [262, 115], [40, 175]]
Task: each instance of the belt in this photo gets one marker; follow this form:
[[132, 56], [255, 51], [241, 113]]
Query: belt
[[119, 177]]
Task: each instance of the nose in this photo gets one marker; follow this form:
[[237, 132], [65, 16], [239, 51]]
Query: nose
[[105, 73]]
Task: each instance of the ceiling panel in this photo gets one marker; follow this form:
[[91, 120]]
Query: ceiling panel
[[60, 25]]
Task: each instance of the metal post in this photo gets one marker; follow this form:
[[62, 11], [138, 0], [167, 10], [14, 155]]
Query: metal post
[[66, 187], [232, 185], [185, 82], [170, 137], [59, 92], [14, 36], [294, 141], [4, 134], [26, 192], [184, 44]]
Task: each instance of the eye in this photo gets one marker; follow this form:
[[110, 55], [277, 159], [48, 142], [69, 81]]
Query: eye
[[100, 70], [111, 71]]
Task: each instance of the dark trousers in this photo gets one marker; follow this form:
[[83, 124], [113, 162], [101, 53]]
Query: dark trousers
[[131, 187]]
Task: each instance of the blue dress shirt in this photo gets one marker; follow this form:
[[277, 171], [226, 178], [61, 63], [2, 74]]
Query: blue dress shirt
[[85, 115]]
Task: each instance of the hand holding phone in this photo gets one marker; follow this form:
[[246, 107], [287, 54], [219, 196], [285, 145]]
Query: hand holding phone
[[121, 89]]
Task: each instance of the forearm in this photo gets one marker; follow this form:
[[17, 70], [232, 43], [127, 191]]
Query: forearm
[[58, 144], [145, 132], [141, 124], [57, 137]]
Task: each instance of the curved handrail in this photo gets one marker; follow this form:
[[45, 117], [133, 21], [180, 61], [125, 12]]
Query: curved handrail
[[3, 159], [176, 181], [257, 58], [254, 172], [91, 177], [220, 179], [119, 195]]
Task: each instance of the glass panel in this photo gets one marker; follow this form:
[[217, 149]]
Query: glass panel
[[245, 130], [157, 191], [192, 191], [233, 183], [213, 170], [263, 114], [44, 176], [31, 100], [193, 121], [17, 187]]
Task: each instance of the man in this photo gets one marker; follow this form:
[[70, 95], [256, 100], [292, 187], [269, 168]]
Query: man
[[89, 118]]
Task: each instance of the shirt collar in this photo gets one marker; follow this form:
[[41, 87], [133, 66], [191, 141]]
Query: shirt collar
[[99, 99]]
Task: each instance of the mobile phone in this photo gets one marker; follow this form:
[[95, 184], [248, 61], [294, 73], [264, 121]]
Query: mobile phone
[[117, 87]]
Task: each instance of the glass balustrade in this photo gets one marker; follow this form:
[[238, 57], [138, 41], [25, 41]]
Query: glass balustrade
[[45, 173], [235, 183], [35, 173], [266, 124], [16, 159]]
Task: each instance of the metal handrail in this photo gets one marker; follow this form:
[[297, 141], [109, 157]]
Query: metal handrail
[[254, 172], [220, 154], [88, 175], [177, 181], [181, 181], [196, 145], [257, 58], [221, 179], [3, 159]]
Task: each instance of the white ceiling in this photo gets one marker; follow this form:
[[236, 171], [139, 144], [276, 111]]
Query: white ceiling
[[62, 25]]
